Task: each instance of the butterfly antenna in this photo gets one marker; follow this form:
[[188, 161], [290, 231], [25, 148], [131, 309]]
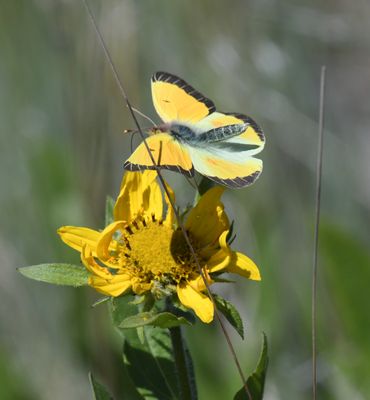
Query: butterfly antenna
[[133, 133], [170, 199], [143, 115]]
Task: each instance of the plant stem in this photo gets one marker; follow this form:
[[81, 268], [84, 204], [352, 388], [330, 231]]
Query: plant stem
[[187, 390], [316, 237]]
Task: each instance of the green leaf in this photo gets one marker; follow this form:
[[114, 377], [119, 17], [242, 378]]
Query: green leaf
[[100, 301], [162, 320], [230, 237], [256, 381], [205, 185], [146, 300], [176, 308], [109, 207], [230, 313], [148, 354], [99, 391], [150, 363], [122, 307], [222, 280], [57, 274]]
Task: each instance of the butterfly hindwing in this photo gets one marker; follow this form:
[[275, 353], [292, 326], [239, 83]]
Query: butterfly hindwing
[[224, 149], [167, 153], [175, 100], [252, 134], [226, 167]]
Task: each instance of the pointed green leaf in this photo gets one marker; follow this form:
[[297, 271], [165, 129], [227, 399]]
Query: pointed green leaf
[[122, 307], [99, 391], [256, 381], [191, 372], [150, 363], [230, 313], [179, 310], [57, 274], [100, 301], [109, 207], [162, 320], [148, 354], [222, 280], [205, 185], [230, 235]]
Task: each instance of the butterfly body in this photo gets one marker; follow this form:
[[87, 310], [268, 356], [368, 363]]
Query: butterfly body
[[194, 135]]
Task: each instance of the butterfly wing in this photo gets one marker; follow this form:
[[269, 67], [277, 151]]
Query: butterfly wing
[[252, 134], [167, 153], [175, 100], [226, 166], [223, 157], [224, 150]]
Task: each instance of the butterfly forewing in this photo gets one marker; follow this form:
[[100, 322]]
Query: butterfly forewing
[[175, 100], [167, 153]]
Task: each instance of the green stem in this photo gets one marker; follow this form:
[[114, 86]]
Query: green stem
[[187, 387]]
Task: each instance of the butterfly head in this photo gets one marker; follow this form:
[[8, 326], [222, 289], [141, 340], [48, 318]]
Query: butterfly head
[[163, 128]]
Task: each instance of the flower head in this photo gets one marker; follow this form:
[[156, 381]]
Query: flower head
[[144, 250]]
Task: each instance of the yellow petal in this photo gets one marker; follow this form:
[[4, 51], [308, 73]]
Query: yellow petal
[[198, 282], [78, 237], [242, 265], [140, 195], [197, 301], [115, 286], [170, 215], [105, 240], [92, 266], [207, 220], [218, 261]]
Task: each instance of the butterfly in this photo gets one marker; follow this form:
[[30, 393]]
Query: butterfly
[[194, 136]]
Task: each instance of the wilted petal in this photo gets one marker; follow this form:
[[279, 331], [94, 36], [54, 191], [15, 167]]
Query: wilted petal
[[198, 282], [106, 237], [170, 215], [92, 266], [140, 194], [197, 301], [207, 220], [78, 237], [115, 286], [242, 265], [218, 261]]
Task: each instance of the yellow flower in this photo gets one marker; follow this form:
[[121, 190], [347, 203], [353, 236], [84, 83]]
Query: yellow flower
[[143, 250]]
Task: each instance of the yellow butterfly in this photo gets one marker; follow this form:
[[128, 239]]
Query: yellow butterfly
[[194, 135]]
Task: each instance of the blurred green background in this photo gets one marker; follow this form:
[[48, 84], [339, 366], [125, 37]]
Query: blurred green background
[[62, 151]]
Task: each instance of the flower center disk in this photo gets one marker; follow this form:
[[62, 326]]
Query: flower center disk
[[159, 252]]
